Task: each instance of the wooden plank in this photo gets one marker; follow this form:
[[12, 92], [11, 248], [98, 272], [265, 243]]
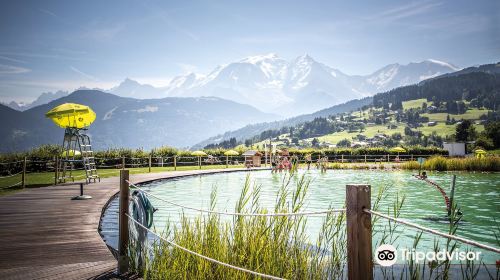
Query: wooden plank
[[123, 223], [44, 234], [359, 233]]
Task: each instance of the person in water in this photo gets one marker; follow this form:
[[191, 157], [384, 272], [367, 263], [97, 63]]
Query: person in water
[[424, 175], [286, 164], [308, 159]]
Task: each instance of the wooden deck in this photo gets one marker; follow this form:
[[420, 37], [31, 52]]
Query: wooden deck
[[46, 235]]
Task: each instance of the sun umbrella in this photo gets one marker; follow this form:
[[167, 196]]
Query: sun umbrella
[[398, 150], [71, 115], [199, 154], [230, 153], [70, 153], [480, 153]]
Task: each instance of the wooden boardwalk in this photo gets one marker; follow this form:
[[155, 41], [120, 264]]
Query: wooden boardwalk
[[46, 235]]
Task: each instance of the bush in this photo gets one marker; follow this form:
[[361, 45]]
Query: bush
[[456, 164]]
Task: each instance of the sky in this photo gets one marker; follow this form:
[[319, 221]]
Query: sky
[[63, 45]]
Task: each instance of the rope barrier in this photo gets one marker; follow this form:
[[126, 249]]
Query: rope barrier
[[16, 184], [202, 256], [445, 235], [11, 162], [440, 189], [239, 214], [9, 176]]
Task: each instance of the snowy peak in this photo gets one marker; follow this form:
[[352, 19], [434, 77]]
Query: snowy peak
[[396, 75], [271, 64], [300, 85], [134, 89]]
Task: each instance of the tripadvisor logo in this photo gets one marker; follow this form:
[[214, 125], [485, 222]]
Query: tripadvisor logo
[[387, 255]]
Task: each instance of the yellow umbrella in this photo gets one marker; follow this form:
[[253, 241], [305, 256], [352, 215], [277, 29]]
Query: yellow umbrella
[[480, 153], [199, 154], [71, 115], [398, 150], [70, 153], [230, 153]]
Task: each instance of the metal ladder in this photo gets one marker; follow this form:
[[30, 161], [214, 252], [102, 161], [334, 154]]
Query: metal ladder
[[88, 158]]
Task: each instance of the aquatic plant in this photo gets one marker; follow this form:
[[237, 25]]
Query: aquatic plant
[[439, 163], [276, 245]]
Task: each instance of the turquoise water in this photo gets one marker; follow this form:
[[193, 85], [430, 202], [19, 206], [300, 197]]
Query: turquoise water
[[476, 193]]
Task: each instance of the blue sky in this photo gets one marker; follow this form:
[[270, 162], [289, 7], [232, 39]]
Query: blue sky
[[51, 45]]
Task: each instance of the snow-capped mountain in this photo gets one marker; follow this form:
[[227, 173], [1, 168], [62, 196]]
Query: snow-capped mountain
[[301, 85], [44, 98], [273, 84], [396, 75], [131, 88]]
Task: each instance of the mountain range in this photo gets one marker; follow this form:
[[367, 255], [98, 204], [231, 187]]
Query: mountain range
[[287, 88], [256, 128], [129, 122], [302, 85]]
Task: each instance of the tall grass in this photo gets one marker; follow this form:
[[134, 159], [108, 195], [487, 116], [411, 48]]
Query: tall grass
[[275, 245], [279, 245], [451, 164]]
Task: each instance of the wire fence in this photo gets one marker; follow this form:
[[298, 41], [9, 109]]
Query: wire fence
[[47, 165]]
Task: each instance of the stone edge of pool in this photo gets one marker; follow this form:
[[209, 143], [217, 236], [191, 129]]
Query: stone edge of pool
[[171, 175]]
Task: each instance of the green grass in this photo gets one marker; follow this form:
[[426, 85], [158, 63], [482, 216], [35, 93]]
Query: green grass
[[413, 104], [471, 114], [440, 128], [369, 132], [42, 179]]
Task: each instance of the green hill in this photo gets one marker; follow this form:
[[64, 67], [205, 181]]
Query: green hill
[[426, 113]]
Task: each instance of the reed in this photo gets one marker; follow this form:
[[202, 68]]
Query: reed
[[275, 245], [439, 163]]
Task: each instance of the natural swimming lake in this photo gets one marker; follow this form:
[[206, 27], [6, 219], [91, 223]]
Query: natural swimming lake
[[477, 195]]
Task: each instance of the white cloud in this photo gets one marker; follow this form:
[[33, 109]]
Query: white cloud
[[88, 76], [12, 59], [406, 10], [10, 69], [48, 12]]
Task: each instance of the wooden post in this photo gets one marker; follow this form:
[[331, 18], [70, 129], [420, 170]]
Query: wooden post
[[452, 194], [342, 158], [23, 177], [175, 162], [411, 157], [123, 162], [227, 161], [365, 158], [56, 171], [123, 230], [149, 162], [199, 161], [359, 233], [388, 158]]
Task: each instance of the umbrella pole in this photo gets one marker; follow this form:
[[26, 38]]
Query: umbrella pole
[[199, 161], [227, 161]]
